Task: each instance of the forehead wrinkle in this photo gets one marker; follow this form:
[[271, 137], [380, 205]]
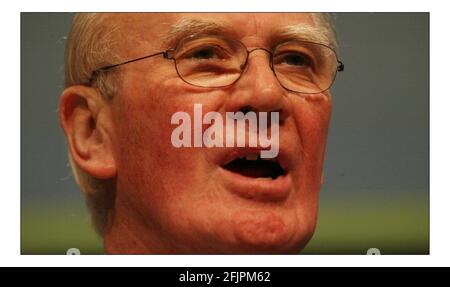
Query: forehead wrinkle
[[186, 27]]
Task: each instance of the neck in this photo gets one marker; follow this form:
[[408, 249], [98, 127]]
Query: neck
[[128, 232]]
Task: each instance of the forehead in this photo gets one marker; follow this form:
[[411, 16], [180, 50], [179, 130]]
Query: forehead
[[155, 28]]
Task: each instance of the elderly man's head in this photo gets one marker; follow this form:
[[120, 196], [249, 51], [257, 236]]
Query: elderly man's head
[[148, 195]]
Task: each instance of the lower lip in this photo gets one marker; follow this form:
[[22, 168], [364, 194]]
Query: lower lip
[[256, 189]]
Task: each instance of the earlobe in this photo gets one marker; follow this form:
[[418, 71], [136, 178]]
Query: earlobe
[[87, 122]]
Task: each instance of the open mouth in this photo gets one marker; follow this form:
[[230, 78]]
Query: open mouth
[[254, 166]]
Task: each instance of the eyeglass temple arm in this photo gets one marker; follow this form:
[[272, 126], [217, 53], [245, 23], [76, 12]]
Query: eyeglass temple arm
[[106, 68]]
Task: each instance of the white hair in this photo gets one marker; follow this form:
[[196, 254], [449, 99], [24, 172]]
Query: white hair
[[325, 23], [89, 47]]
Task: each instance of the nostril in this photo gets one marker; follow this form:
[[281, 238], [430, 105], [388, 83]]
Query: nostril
[[246, 109]]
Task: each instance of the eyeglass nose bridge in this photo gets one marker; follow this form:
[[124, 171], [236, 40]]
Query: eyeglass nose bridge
[[245, 65]]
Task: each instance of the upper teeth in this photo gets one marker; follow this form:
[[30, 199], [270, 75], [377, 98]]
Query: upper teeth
[[256, 157]]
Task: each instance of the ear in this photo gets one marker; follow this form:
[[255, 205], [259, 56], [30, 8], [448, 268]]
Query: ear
[[87, 122]]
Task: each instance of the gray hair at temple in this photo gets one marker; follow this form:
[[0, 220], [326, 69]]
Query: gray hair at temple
[[91, 45]]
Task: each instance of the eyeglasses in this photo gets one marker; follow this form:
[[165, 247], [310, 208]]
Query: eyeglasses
[[215, 62]]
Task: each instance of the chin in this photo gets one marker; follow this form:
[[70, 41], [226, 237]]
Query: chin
[[270, 246], [267, 232]]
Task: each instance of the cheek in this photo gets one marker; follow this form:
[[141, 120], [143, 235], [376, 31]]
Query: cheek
[[147, 160], [145, 151], [312, 117]]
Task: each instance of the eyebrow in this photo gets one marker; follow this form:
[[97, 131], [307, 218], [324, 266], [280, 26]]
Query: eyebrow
[[303, 32], [187, 27], [297, 32]]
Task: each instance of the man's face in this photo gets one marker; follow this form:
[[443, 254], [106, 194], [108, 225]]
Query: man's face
[[187, 200]]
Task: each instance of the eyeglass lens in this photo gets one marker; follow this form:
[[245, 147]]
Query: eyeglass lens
[[212, 61]]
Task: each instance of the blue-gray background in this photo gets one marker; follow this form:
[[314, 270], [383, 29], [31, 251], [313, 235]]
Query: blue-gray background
[[376, 191]]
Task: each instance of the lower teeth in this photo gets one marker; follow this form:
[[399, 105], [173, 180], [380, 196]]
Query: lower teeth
[[264, 178]]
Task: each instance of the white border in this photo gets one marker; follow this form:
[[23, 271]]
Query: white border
[[10, 137]]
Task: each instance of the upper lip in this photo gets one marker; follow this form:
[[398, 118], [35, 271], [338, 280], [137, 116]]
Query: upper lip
[[248, 187]]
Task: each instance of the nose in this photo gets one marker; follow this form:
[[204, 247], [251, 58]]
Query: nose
[[258, 88]]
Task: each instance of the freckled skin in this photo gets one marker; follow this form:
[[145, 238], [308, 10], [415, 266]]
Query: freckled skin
[[172, 200]]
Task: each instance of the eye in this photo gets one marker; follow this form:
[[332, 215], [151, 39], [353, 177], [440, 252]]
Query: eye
[[205, 52], [294, 59]]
